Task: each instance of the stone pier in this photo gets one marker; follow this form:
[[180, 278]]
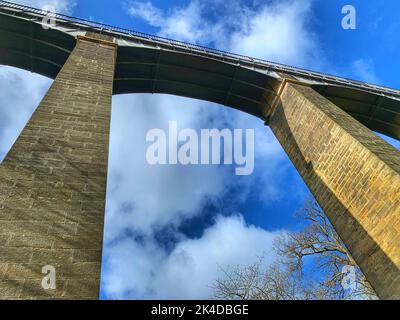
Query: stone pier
[[53, 183], [353, 174]]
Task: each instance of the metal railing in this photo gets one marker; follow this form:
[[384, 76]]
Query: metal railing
[[200, 50]]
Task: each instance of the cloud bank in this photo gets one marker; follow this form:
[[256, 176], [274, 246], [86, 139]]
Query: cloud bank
[[145, 201], [276, 30], [147, 271], [21, 93]]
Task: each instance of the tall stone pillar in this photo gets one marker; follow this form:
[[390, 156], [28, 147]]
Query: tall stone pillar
[[53, 183], [353, 174]]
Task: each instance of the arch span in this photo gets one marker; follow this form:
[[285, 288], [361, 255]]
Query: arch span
[[147, 65]]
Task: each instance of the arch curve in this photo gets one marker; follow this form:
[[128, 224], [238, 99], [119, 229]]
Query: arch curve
[[147, 67]]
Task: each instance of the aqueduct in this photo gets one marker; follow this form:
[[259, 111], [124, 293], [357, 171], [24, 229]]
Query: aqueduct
[[53, 180]]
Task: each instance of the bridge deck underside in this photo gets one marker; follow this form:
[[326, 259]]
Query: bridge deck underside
[[141, 69]]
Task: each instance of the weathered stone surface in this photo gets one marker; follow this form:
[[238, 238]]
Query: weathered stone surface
[[53, 183], [353, 174]]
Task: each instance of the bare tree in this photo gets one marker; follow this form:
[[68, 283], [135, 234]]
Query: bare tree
[[253, 283], [320, 242], [290, 278]]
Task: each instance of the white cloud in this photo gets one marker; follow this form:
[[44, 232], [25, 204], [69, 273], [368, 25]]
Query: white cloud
[[145, 198], [182, 23], [364, 70], [196, 261], [129, 268], [148, 12], [162, 194], [276, 31], [60, 6], [21, 93], [188, 272]]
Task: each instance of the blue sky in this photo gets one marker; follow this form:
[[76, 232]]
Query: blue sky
[[168, 226]]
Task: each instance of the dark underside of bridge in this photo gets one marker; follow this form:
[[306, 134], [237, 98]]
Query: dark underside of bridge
[[143, 69]]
